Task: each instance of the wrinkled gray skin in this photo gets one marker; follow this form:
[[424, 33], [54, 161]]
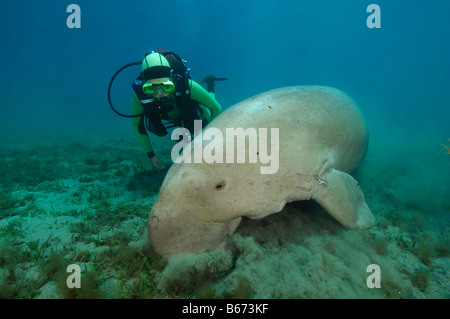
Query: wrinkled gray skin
[[322, 137]]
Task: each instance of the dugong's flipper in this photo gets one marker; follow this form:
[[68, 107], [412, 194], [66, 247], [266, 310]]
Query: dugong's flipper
[[340, 195]]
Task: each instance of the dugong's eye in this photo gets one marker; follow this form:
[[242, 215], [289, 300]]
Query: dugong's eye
[[220, 185]]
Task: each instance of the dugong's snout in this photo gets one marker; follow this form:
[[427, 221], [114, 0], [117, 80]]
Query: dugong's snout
[[175, 233]]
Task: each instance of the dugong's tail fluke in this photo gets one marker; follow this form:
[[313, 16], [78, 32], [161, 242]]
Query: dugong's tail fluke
[[340, 195]]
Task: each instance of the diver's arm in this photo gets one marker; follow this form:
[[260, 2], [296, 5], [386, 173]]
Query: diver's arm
[[144, 140], [198, 93]]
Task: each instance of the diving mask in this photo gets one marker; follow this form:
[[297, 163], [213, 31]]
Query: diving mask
[[150, 88]]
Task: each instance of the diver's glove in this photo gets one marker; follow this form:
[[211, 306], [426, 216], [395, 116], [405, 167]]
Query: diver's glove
[[156, 163]]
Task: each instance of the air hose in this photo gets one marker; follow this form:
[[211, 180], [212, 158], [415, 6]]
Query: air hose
[[110, 85]]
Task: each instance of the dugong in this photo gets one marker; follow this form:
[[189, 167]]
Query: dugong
[[322, 138]]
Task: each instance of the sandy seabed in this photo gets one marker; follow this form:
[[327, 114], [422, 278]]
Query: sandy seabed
[[87, 203]]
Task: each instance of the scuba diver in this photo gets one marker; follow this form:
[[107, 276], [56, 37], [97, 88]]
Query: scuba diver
[[165, 96]]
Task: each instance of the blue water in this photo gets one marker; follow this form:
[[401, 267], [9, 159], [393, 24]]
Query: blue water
[[54, 79], [53, 89]]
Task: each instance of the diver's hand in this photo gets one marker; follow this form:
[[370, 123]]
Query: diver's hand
[[156, 163]]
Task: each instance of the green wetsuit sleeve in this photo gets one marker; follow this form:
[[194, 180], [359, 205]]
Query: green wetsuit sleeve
[[207, 99], [144, 140]]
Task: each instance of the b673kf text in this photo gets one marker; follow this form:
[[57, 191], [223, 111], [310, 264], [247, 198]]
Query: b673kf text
[[247, 308], [231, 308]]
